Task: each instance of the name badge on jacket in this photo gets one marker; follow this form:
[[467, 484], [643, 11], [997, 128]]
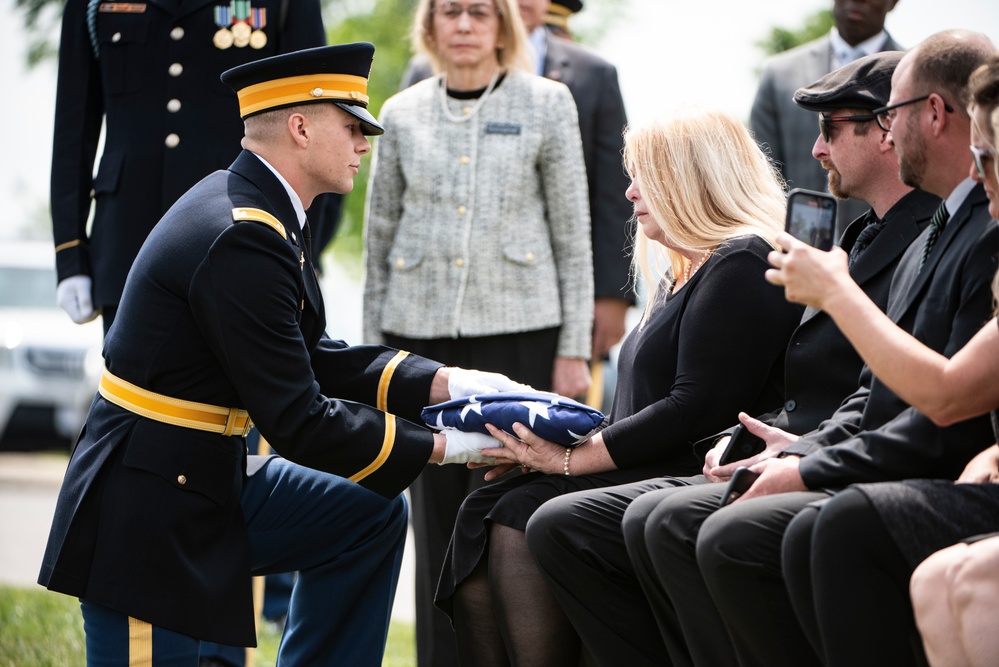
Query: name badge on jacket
[[122, 7], [502, 128]]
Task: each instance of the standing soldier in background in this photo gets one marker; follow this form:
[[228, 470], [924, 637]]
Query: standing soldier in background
[[557, 17], [149, 71]]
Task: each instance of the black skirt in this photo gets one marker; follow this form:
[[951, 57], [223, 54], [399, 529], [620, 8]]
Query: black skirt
[[926, 515], [511, 502]]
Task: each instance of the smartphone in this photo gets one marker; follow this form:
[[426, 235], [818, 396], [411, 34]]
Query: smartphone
[[811, 217], [742, 479], [742, 444]]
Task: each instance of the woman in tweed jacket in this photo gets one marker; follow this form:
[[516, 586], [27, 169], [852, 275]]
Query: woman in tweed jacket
[[477, 223], [477, 239]]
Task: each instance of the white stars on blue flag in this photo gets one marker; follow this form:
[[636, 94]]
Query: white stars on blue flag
[[555, 418]]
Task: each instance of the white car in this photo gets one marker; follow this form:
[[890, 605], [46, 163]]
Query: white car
[[49, 366]]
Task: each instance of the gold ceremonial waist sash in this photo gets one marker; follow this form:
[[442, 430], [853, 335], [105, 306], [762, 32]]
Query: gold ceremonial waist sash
[[201, 416]]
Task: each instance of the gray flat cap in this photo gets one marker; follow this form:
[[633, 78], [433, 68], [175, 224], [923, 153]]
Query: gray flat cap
[[863, 84]]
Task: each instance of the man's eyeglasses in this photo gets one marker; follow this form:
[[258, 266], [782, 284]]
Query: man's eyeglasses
[[478, 12], [886, 115], [826, 121], [982, 155]]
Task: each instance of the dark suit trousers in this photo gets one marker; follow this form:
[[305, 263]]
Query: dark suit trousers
[[849, 583], [714, 576], [578, 542]]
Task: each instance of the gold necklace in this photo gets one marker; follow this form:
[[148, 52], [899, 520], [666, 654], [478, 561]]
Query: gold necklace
[[687, 272]]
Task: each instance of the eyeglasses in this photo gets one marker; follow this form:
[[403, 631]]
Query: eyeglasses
[[478, 12], [886, 115], [825, 122], [982, 155]]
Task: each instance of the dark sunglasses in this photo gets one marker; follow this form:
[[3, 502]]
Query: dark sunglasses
[[982, 155], [885, 115], [826, 121]]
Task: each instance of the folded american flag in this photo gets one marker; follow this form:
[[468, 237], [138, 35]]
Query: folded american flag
[[556, 418]]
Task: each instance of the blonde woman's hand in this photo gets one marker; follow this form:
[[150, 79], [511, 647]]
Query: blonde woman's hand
[[524, 449]]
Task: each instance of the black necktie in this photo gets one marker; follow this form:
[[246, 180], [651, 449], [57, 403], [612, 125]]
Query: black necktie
[[866, 236], [307, 236], [937, 223]]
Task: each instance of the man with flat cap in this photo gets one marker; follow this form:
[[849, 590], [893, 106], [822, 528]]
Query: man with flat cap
[[163, 518], [582, 541], [784, 129]]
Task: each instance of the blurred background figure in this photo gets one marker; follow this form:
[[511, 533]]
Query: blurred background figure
[[477, 237], [149, 73], [557, 17], [786, 131]]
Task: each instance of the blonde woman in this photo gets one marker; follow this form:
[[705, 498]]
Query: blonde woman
[[477, 240], [711, 341]]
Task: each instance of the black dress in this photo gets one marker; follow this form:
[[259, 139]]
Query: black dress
[[711, 349], [926, 515]]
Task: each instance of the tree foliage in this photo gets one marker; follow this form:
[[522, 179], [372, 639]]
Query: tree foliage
[[41, 23], [782, 39], [387, 25]]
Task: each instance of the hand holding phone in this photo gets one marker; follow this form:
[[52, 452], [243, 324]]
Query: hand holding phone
[[742, 444], [811, 217], [742, 479]]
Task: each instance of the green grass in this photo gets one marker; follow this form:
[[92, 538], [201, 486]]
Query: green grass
[[43, 629]]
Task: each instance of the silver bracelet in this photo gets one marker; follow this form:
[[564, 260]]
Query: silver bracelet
[[565, 461]]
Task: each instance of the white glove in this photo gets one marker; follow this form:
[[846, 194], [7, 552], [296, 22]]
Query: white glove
[[462, 383], [73, 296], [464, 447]]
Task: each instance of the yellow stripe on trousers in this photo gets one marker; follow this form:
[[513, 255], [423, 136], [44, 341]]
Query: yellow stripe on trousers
[[140, 643]]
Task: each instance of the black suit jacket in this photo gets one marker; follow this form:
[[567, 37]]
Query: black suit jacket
[[155, 75], [594, 87], [228, 314], [875, 436], [823, 369]]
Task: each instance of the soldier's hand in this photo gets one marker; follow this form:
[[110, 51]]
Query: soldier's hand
[[462, 383], [73, 296], [465, 447]]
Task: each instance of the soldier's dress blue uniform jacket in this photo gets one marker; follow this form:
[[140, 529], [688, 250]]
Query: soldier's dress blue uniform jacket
[[227, 313], [170, 121]]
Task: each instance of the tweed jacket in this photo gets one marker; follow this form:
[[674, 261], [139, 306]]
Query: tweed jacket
[[602, 119], [479, 225]]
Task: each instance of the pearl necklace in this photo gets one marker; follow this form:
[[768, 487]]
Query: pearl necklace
[[468, 111], [687, 272]]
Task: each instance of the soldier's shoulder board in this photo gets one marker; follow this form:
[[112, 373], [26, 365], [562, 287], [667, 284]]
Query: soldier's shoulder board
[[241, 214]]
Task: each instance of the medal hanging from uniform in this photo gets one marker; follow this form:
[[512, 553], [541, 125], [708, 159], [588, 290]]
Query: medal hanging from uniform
[[240, 25]]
